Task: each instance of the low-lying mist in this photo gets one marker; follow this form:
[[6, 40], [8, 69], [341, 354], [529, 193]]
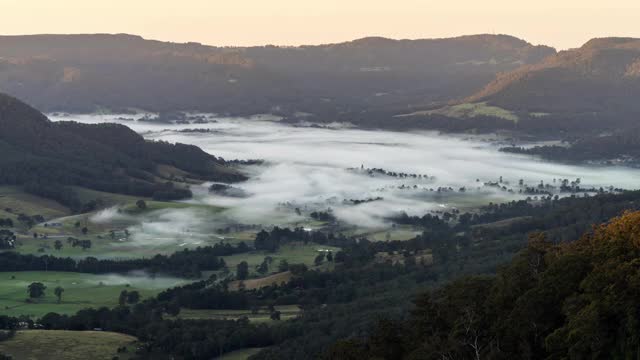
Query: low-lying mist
[[315, 169], [136, 279]]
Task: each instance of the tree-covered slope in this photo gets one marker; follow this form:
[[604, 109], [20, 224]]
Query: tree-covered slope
[[576, 300], [602, 75], [45, 156]]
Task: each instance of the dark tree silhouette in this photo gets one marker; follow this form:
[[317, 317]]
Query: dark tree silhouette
[[36, 290]]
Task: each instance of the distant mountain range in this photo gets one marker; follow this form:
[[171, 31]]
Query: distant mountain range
[[480, 82], [116, 72]]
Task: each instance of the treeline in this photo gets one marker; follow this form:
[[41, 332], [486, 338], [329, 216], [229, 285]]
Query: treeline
[[186, 263], [168, 339], [273, 239], [564, 219], [621, 146], [568, 301]]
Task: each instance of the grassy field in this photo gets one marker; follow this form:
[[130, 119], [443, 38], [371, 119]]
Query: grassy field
[[250, 284], [106, 230], [68, 345], [399, 233], [80, 291], [263, 315], [294, 253], [108, 199], [470, 110], [240, 354], [17, 201]]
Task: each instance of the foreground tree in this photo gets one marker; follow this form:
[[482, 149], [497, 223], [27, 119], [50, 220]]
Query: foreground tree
[[576, 300]]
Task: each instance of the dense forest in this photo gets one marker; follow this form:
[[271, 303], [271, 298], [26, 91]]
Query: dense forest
[[573, 300]]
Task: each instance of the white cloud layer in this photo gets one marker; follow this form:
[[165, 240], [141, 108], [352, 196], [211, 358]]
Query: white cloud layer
[[307, 168]]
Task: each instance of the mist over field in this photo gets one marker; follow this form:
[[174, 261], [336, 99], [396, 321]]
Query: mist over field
[[137, 279], [318, 168]]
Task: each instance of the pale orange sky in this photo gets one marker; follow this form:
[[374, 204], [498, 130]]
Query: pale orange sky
[[559, 23]]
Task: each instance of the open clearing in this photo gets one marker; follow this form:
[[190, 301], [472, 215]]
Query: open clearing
[[262, 316], [293, 253], [15, 200], [68, 345], [250, 284], [80, 291], [398, 233], [243, 354], [469, 110]]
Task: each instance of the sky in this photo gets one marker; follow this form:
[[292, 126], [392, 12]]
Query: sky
[[559, 23]]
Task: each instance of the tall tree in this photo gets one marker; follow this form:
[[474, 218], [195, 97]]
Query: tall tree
[[242, 271], [36, 290], [58, 291]]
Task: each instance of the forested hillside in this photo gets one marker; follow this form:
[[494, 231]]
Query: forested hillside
[[601, 75], [45, 158], [574, 300]]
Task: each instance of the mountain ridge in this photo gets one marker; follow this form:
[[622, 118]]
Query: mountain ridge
[[82, 73]]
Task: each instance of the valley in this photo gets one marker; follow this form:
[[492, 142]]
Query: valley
[[469, 197], [358, 184]]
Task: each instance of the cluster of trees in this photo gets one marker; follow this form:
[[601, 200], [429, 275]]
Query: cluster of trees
[[84, 244], [23, 219], [128, 297], [7, 239], [186, 263], [323, 215], [272, 240], [36, 290], [6, 222], [622, 146], [362, 201], [399, 175]]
